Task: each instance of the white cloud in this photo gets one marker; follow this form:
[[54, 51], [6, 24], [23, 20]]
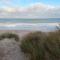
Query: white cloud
[[37, 10]]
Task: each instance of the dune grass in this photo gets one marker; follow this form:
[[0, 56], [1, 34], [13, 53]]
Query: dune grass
[[9, 35], [40, 46]]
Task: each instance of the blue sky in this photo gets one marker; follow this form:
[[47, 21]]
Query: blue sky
[[29, 8], [28, 2]]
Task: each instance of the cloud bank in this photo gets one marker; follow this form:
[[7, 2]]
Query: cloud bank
[[37, 10]]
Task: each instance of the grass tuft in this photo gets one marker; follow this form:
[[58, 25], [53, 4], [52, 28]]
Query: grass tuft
[[40, 46]]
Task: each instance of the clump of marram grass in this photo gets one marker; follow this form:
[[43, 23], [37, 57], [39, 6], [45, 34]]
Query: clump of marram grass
[[9, 35], [52, 45], [32, 45], [39, 46]]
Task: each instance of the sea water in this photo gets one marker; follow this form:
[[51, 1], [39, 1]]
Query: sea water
[[16, 20], [29, 24]]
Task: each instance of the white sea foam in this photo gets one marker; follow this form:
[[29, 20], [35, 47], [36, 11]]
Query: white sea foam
[[28, 26]]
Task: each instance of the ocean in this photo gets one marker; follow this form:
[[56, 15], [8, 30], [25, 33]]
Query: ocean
[[17, 20], [29, 24]]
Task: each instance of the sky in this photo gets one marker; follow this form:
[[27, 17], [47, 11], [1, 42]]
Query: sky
[[29, 8]]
